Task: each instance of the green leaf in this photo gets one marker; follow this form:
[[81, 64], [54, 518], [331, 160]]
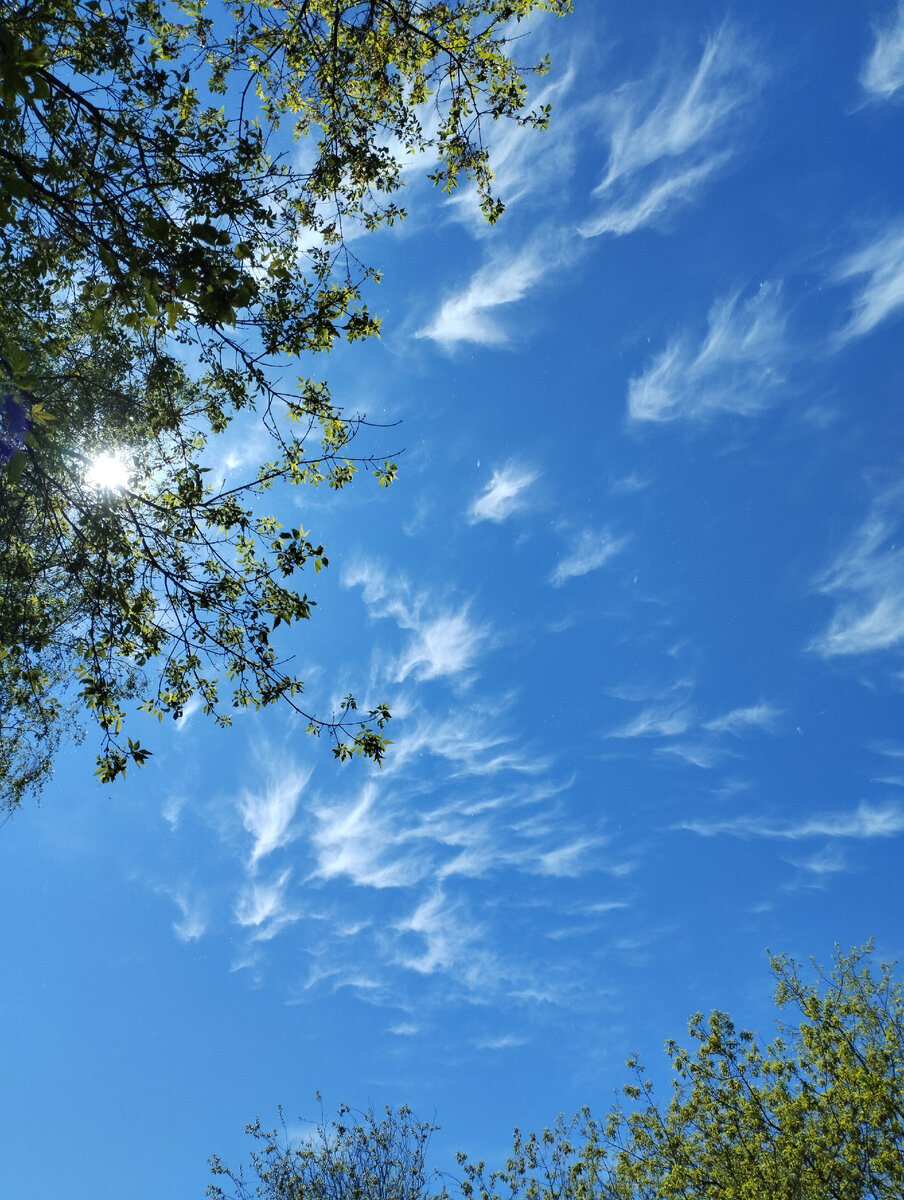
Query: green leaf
[[16, 466], [107, 257], [205, 232]]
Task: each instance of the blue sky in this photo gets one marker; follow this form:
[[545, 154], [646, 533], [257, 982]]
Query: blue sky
[[637, 601]]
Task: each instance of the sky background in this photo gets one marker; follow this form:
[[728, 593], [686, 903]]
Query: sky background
[[637, 601]]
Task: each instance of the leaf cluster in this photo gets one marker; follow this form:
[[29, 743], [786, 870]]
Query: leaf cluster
[[151, 591], [178, 184], [817, 1113], [139, 166], [359, 1155]]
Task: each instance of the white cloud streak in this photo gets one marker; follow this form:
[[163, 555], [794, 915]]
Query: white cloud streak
[[883, 71], [447, 645], [657, 721], [172, 809], [882, 293], [735, 369], [376, 841], [443, 643], [526, 162], [867, 581], [667, 139], [363, 841], [665, 143], [828, 861], [569, 860], [267, 814], [671, 717], [698, 754], [888, 749], [451, 941], [194, 705], [263, 907], [635, 212], [507, 1041], [591, 550], [467, 741], [192, 923], [867, 821], [461, 800], [627, 485], [741, 720], [503, 495], [468, 316]]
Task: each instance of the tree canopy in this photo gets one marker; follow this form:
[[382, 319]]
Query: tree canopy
[[356, 1156], [816, 1113], [178, 187]]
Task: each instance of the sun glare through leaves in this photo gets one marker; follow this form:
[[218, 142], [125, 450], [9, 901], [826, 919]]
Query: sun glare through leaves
[[108, 473]]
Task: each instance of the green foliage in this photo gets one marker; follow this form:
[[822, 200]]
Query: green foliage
[[137, 163], [166, 569], [357, 1156], [816, 1113], [153, 212]]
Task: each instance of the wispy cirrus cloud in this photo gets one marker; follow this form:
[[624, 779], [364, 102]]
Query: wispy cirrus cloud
[[505, 494], [680, 187], [171, 810], [657, 720], [387, 837], [882, 293], [195, 704], [867, 581], [449, 940], [405, 1029], [527, 162], [468, 741], [828, 861], [739, 721], [736, 368], [665, 141], [463, 798], [671, 718], [627, 485], [866, 821], [448, 644], [590, 551], [569, 859], [267, 813], [363, 840], [470, 315], [888, 749], [669, 136], [263, 906], [883, 71], [506, 1041], [444, 642], [374, 840], [412, 838], [697, 753], [193, 913]]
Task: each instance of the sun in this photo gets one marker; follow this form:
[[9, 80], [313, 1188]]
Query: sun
[[107, 473]]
